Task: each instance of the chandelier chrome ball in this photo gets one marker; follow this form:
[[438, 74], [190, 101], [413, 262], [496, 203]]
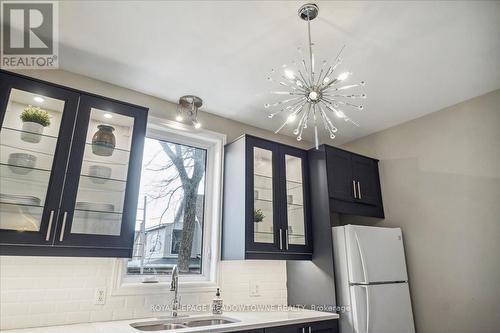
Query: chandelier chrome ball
[[312, 95]]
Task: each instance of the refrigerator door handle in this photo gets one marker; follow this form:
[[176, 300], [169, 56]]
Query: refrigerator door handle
[[367, 308], [361, 257]]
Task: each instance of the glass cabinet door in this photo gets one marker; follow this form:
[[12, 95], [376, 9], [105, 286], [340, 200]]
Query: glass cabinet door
[[108, 140], [263, 196], [35, 125], [263, 174], [294, 200], [295, 190]]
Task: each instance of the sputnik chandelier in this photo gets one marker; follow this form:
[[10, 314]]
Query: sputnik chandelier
[[311, 96]]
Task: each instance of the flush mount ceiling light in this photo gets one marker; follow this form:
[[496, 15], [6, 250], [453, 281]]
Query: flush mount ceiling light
[[313, 96], [188, 109]]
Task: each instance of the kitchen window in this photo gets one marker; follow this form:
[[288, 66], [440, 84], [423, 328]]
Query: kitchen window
[[179, 211]]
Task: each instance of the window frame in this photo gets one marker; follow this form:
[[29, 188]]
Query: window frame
[[208, 280]]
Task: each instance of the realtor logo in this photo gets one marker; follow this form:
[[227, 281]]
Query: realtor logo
[[29, 35]]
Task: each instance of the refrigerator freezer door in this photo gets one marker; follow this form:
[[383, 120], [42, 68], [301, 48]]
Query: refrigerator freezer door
[[375, 254], [381, 308]]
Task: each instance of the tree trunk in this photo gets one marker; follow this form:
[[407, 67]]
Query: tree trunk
[[188, 229]]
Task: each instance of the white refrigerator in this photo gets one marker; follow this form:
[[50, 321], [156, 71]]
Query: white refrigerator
[[371, 280]]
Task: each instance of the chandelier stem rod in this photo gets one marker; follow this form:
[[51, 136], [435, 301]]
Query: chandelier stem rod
[[310, 49]]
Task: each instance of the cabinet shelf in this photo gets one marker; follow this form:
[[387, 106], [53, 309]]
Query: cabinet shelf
[[98, 211], [20, 205], [20, 131]]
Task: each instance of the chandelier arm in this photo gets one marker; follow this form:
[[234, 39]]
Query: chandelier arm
[[329, 105], [308, 82], [294, 85], [303, 79], [304, 125], [331, 100], [347, 87], [299, 125], [331, 128], [319, 77], [288, 107]]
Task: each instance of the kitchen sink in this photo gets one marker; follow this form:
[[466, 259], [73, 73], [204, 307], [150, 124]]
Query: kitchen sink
[[158, 325], [177, 323], [207, 322]]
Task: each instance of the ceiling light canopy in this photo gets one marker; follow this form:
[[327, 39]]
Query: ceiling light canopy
[[311, 96], [187, 109]]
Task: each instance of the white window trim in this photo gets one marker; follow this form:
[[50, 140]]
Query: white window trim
[[209, 280]]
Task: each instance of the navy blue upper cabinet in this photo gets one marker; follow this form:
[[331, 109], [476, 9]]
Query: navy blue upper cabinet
[[69, 182], [266, 201], [353, 182]]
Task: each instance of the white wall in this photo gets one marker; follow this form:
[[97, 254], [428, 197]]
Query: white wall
[[42, 291], [440, 177]]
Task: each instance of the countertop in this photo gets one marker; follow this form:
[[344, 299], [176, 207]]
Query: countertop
[[246, 321]]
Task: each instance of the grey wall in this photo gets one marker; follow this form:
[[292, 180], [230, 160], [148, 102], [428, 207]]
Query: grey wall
[[440, 179]]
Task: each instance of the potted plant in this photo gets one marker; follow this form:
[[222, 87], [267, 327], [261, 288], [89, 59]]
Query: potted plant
[[258, 216], [34, 120]]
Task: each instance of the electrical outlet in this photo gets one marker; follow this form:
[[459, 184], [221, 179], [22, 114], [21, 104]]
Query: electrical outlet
[[100, 296], [254, 289]]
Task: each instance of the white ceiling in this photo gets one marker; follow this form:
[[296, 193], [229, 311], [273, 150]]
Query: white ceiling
[[416, 57]]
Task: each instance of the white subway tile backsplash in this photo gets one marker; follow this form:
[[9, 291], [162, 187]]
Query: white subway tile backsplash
[[42, 291]]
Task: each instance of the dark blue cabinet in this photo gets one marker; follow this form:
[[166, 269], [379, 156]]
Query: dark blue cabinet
[[69, 187], [353, 182], [328, 326], [266, 201]]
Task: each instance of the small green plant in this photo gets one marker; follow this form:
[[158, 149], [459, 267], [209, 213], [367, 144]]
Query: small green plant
[[258, 216], [36, 115]]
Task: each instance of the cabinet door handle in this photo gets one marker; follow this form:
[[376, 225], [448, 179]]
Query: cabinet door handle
[[310, 329], [303, 330], [286, 238], [354, 188], [281, 239], [359, 191], [61, 236], [51, 217]]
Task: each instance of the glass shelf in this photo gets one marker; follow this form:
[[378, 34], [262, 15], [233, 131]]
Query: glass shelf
[[115, 149], [97, 211], [31, 175], [23, 131], [100, 184], [20, 205], [265, 183]]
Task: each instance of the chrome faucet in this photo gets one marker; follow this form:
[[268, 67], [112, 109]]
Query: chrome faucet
[[174, 286]]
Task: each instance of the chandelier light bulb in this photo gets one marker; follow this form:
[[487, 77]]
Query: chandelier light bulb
[[340, 114], [313, 95], [289, 74], [343, 76], [291, 118], [178, 118], [197, 125]]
